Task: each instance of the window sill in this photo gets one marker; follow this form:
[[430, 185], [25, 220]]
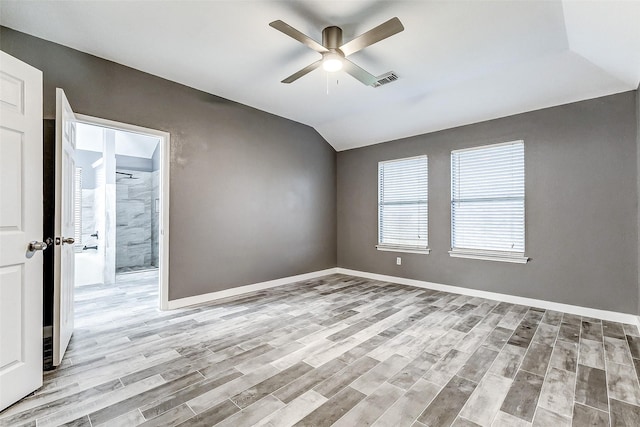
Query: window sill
[[404, 249], [489, 256]]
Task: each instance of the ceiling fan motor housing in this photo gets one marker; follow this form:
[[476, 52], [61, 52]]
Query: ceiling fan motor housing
[[332, 38]]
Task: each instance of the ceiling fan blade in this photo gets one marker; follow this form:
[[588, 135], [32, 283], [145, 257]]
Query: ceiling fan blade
[[358, 73], [381, 32], [302, 38], [309, 68]]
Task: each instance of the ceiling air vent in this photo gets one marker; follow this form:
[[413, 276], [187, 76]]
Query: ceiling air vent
[[385, 79]]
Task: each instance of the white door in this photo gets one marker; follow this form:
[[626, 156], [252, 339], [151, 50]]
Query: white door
[[64, 274], [20, 223]]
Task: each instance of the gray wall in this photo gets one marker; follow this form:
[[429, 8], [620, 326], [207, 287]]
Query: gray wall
[[253, 196], [581, 206], [638, 187]]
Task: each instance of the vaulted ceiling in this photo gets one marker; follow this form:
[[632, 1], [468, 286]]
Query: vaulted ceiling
[[458, 62]]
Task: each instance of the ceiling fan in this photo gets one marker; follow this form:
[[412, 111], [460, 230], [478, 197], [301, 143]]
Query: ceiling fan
[[334, 52]]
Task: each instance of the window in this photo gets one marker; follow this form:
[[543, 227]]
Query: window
[[487, 202], [402, 205], [77, 208]]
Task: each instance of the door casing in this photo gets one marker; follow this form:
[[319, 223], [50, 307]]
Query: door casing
[[165, 144]]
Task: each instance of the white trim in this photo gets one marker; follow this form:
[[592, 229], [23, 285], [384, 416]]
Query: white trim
[[547, 305], [165, 144], [399, 159], [407, 250], [212, 296], [532, 302], [112, 124], [478, 147], [489, 255], [163, 250]]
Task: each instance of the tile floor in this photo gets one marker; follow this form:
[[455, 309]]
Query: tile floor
[[340, 351]]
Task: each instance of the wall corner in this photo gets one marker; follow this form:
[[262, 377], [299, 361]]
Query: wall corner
[[638, 190]]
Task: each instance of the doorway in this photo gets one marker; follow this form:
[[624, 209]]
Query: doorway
[[121, 203]]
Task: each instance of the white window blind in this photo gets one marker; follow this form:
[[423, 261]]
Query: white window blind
[[403, 204], [77, 207], [487, 199]]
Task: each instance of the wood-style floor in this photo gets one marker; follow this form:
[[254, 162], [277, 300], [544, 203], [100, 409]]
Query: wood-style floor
[[337, 350]]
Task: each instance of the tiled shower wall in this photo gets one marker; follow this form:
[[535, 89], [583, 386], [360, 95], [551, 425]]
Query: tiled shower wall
[[135, 220]]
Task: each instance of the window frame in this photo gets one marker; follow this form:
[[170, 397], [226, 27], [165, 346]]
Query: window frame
[[488, 254], [397, 247]]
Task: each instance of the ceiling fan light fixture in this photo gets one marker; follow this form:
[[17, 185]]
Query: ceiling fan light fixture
[[332, 62]]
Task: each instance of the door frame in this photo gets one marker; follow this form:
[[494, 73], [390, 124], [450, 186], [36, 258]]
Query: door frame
[[163, 244]]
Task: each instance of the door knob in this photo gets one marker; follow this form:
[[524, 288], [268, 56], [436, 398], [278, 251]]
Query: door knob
[[63, 240], [35, 246]]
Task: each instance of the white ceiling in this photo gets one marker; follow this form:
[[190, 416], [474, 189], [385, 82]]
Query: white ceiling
[[458, 62], [91, 138]]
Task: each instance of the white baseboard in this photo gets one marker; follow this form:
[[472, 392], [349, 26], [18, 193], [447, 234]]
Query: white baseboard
[[547, 305], [212, 296]]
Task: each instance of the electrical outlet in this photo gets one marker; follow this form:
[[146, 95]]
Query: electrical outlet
[[398, 261]]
